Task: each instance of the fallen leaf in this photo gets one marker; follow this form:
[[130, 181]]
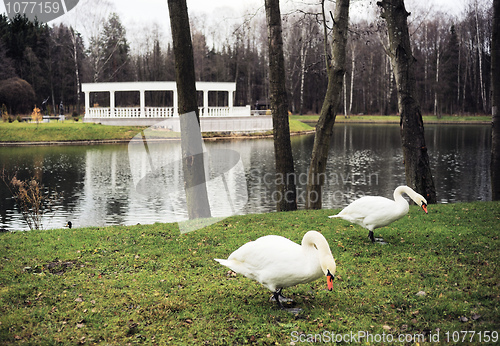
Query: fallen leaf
[[476, 316], [463, 319]]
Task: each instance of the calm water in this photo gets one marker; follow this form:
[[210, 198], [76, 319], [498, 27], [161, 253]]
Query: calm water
[[110, 184]]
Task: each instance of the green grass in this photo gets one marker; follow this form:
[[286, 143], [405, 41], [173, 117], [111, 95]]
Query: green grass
[[311, 119], [76, 131], [67, 131], [149, 284], [298, 126]]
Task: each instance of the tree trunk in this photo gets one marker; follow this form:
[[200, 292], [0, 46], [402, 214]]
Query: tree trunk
[[353, 68], [74, 41], [191, 142], [495, 109], [480, 58], [437, 111], [302, 69], [416, 160], [286, 197], [324, 127]]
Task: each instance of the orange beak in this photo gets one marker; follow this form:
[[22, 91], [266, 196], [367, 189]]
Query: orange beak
[[424, 207], [329, 278]]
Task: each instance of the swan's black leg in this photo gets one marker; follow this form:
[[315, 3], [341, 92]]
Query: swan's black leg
[[370, 235], [276, 296], [280, 298]]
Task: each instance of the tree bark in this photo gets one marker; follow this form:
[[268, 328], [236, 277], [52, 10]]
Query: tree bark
[[324, 127], [416, 160], [191, 142], [286, 197], [495, 109]]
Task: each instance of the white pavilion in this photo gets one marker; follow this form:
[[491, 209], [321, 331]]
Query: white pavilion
[[136, 106]]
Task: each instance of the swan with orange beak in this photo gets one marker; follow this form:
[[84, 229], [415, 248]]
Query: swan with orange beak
[[277, 262], [373, 212]]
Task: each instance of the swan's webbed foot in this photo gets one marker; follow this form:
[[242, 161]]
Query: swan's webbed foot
[[280, 299]]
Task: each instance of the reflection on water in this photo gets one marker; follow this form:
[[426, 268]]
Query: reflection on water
[[96, 183]]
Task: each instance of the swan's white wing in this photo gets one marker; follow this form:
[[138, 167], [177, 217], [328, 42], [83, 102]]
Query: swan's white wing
[[273, 261], [372, 212]]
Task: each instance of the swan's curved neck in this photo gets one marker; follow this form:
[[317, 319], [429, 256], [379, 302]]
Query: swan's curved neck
[[314, 240], [398, 193]]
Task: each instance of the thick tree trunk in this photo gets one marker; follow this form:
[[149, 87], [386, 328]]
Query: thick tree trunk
[[324, 127], [416, 160], [286, 196], [191, 142], [495, 109]]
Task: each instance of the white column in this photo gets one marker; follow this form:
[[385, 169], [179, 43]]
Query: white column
[[87, 103], [230, 101], [142, 98], [112, 103], [176, 104], [205, 102]]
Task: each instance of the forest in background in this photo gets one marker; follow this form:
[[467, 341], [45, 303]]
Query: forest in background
[[452, 53]]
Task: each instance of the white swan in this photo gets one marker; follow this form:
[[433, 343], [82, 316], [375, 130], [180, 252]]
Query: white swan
[[373, 212], [277, 262]]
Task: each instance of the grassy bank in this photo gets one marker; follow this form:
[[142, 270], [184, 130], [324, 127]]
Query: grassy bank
[[149, 284], [67, 131], [77, 131], [71, 131], [394, 119]]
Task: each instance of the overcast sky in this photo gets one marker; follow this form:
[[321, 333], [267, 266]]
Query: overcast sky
[[135, 15]]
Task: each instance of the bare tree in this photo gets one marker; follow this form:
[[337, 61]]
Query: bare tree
[[191, 142], [495, 86], [285, 176], [416, 160], [324, 127]]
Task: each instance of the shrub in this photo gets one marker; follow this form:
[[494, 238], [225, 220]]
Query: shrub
[[31, 199], [17, 94], [36, 115]]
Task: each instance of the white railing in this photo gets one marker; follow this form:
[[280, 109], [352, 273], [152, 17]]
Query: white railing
[[127, 112], [163, 112], [216, 112], [99, 112], [159, 112]]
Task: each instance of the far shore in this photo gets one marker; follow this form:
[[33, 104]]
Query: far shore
[[78, 133]]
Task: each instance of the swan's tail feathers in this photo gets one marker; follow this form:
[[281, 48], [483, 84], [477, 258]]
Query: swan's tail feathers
[[222, 261], [332, 216]]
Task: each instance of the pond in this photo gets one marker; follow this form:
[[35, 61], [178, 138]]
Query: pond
[[100, 185]]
